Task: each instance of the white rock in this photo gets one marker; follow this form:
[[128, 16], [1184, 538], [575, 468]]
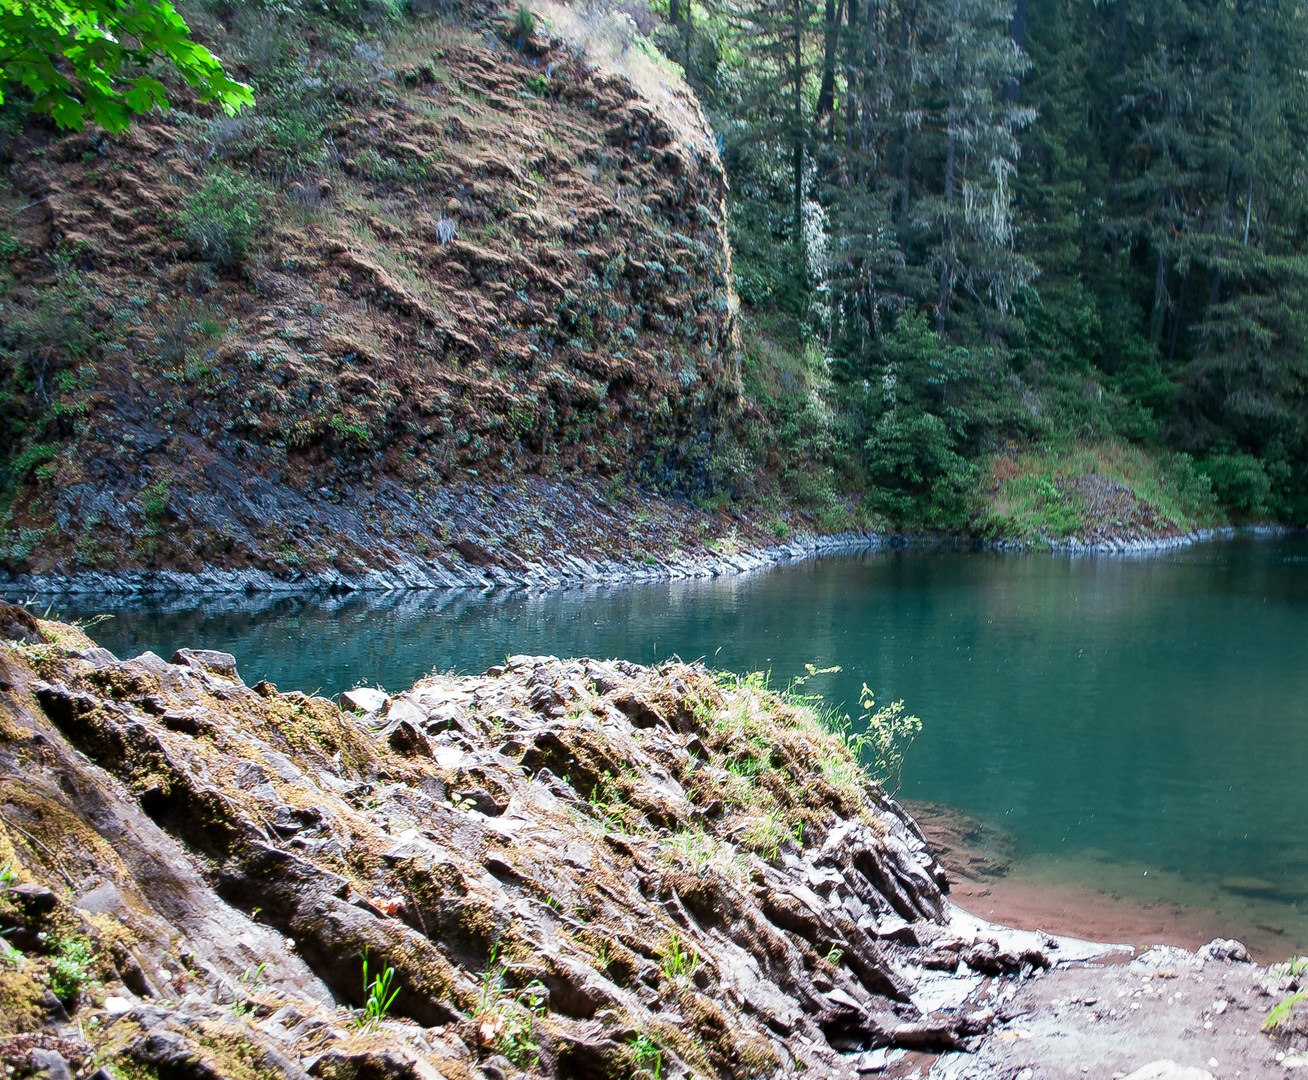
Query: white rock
[[402, 708], [448, 757], [1166, 1069], [116, 1006], [364, 699]]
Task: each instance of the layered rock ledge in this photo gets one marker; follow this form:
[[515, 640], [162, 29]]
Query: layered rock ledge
[[577, 868], [573, 868]]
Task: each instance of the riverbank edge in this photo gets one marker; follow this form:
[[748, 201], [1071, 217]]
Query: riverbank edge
[[564, 570]]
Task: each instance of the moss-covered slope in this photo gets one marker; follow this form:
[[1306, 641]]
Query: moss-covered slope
[[435, 254]]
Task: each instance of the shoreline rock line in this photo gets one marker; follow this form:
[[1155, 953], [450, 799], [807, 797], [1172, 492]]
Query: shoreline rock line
[[562, 570]]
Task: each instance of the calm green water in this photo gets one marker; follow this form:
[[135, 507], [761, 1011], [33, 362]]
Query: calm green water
[[1116, 715]]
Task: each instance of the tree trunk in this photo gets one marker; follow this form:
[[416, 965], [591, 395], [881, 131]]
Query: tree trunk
[[1161, 301], [1115, 127], [903, 98], [947, 232], [1017, 31], [832, 17], [797, 131], [852, 102], [685, 40]]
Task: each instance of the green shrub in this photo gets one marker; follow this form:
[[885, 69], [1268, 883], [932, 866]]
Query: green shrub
[[524, 23], [17, 544], [889, 734], [222, 219], [918, 477], [1239, 481], [28, 459]]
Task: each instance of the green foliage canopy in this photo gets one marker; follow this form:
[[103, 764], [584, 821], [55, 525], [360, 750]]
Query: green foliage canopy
[[90, 60]]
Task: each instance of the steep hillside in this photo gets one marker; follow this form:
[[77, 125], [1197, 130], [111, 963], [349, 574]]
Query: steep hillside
[[438, 258]]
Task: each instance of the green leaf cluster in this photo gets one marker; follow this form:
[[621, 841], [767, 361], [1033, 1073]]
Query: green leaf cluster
[[95, 60]]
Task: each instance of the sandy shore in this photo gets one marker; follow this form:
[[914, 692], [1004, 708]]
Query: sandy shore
[[1095, 900], [1177, 1004]]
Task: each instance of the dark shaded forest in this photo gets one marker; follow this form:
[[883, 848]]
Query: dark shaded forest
[[1025, 230]]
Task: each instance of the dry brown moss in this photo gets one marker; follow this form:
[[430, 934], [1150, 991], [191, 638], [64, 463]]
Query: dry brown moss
[[56, 843], [22, 998]]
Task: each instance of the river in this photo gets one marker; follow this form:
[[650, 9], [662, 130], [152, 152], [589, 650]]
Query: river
[[1133, 725]]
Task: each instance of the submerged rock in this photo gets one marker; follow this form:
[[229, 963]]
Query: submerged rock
[[574, 868]]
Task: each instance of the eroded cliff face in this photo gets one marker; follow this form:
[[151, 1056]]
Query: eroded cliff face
[[325, 335], [574, 868]]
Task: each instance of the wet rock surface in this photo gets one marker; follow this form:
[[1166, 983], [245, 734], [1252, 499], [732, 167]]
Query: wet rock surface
[[565, 536], [573, 868], [576, 542]]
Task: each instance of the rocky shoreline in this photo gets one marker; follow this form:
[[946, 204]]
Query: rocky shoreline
[[558, 570], [568, 868], [572, 868]]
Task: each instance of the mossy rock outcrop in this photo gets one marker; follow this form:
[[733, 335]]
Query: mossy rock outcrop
[[572, 868]]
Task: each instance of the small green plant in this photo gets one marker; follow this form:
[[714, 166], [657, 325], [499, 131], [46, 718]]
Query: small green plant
[[691, 849], [679, 961], [1284, 1010], [379, 995], [252, 981], [504, 1019], [524, 24], [889, 734], [1293, 968], [766, 834], [604, 955], [7, 952], [350, 431], [17, 545], [726, 544], [609, 804], [70, 968], [646, 1055], [154, 499], [834, 955]]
